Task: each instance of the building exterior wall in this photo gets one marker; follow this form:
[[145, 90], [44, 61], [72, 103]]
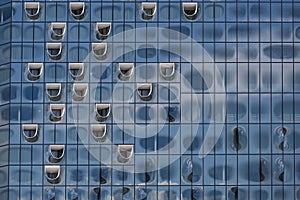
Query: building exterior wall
[[253, 46]]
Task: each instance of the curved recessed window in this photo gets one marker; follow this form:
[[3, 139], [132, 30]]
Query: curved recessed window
[[97, 192], [99, 132], [280, 169], [56, 153], [99, 50], [125, 193], [52, 174], [30, 132], [148, 10], [53, 91], [237, 193], [74, 194], [125, 153], [102, 111], [76, 70], [34, 71], [103, 30], [167, 70], [259, 170], [148, 176], [51, 194], [172, 113], [262, 169], [32, 9], [191, 170], [281, 138], [190, 10], [125, 71], [100, 193], [57, 112], [239, 138], [79, 91], [54, 50], [77, 9], [58, 30], [145, 91]]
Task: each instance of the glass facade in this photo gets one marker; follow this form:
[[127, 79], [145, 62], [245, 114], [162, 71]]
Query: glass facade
[[149, 99]]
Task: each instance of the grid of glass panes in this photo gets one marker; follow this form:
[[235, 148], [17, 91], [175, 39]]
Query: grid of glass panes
[[255, 45]]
